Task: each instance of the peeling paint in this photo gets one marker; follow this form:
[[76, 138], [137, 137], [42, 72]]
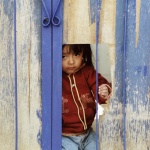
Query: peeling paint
[[7, 98], [78, 28], [92, 10], [39, 138], [29, 74], [39, 114]]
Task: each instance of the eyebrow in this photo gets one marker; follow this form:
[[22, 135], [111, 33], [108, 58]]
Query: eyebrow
[[65, 53]]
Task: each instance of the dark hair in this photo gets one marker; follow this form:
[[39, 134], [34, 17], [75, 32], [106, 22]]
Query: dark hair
[[78, 48]]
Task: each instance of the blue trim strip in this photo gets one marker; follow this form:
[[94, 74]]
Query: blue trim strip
[[15, 74], [124, 74], [46, 82], [98, 5], [57, 77], [51, 78]]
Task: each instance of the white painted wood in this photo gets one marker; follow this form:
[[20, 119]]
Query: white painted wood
[[7, 91], [29, 73], [77, 26]]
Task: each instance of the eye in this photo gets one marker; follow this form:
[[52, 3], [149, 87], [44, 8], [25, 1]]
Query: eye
[[77, 54], [63, 56]]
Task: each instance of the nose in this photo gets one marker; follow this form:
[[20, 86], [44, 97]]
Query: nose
[[71, 60]]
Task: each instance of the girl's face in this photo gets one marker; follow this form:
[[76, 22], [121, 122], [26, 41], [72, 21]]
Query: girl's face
[[71, 62]]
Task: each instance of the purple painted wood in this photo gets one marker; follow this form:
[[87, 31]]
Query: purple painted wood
[[46, 77], [51, 76]]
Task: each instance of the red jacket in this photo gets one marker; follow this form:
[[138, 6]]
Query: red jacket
[[78, 99]]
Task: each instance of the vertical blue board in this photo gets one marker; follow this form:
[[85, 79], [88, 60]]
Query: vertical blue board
[[57, 75], [119, 46], [138, 76], [46, 76], [133, 73], [120, 33], [139, 56], [94, 4], [51, 74]]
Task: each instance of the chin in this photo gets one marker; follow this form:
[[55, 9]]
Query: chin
[[70, 72]]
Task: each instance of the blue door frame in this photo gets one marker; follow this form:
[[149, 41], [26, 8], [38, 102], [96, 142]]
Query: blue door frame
[[51, 74]]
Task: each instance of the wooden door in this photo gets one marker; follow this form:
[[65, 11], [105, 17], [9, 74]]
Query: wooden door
[[30, 70]]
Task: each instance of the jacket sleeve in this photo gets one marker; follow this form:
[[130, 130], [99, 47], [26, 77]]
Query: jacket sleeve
[[90, 74]]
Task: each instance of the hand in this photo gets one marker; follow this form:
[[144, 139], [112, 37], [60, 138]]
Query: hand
[[103, 91]]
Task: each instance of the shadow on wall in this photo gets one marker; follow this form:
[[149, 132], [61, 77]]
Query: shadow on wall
[[103, 60], [104, 68]]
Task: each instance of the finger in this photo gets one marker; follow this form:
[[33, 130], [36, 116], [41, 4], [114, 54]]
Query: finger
[[105, 97], [103, 85], [103, 89], [105, 92]]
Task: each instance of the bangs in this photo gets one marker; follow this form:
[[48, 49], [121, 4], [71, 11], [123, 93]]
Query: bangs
[[75, 48]]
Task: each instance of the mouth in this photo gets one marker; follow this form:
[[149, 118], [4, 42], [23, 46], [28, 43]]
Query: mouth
[[71, 68]]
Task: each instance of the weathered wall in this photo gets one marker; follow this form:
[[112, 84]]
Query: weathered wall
[[7, 91], [125, 123], [20, 125], [20, 74], [138, 75], [28, 25], [128, 127]]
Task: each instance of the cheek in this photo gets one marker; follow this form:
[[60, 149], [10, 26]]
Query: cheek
[[80, 61], [63, 64]]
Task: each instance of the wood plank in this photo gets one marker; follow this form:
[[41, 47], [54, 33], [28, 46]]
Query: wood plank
[[7, 83], [56, 101], [29, 74], [46, 64], [138, 76], [79, 27]]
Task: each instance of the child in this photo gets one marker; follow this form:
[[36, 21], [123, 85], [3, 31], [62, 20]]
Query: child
[[78, 97]]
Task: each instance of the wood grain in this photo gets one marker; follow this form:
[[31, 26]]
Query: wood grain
[[29, 73], [7, 84]]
